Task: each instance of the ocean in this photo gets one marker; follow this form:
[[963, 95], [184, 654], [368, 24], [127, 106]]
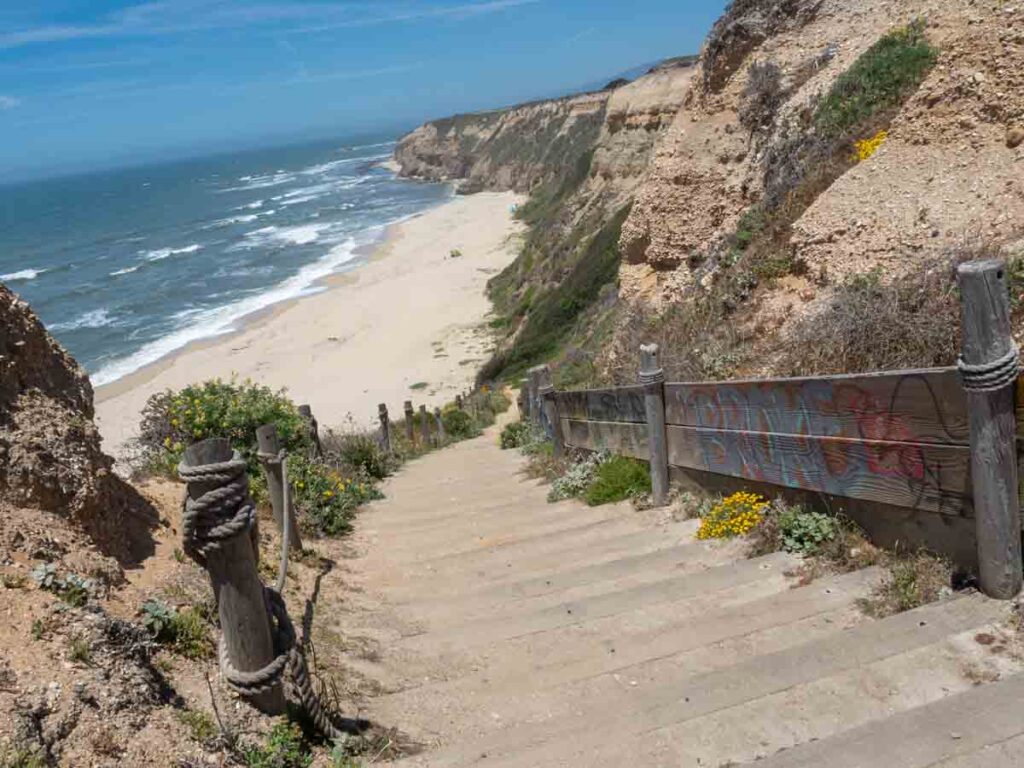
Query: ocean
[[125, 267]]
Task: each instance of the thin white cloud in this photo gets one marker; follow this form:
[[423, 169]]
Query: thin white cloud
[[170, 17], [8, 102]]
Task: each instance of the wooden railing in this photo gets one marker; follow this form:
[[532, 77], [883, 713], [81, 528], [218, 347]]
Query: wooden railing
[[931, 448]]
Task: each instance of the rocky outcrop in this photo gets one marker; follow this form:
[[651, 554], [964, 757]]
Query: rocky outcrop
[[511, 149], [50, 455]]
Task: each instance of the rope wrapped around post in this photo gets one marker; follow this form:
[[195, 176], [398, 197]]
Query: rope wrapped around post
[[212, 520], [991, 377]]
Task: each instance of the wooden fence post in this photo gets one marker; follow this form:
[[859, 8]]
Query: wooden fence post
[[652, 377], [458, 402], [424, 426], [306, 412], [269, 447], [544, 386], [231, 564], [989, 369], [533, 384], [554, 422], [521, 403], [440, 426], [385, 428], [410, 433]]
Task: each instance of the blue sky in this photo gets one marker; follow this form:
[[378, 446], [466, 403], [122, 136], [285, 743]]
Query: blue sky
[[94, 83]]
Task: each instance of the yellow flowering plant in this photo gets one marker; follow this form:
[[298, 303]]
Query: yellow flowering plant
[[735, 515], [867, 147]]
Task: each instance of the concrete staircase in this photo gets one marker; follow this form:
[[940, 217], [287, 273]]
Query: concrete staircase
[[531, 634]]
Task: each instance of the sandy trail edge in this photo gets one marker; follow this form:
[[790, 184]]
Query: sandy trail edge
[[412, 314]]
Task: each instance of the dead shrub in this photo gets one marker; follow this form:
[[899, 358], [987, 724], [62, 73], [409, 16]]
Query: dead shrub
[[914, 579], [870, 325], [762, 96]]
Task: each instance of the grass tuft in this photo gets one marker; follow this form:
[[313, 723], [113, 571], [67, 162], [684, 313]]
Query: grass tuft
[[617, 479]]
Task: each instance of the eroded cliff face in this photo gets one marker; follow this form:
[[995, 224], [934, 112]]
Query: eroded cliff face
[[949, 167], [50, 455], [512, 149]]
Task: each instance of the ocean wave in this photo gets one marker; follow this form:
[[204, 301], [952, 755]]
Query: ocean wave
[[303, 234], [262, 182], [125, 271], [206, 323], [162, 253], [250, 206], [97, 318], [23, 274]]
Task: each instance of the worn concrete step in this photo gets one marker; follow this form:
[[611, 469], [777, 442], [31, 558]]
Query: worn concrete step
[[512, 542], [737, 711], [574, 612], [506, 565], [982, 727], [604, 578], [475, 535], [470, 520], [531, 682]]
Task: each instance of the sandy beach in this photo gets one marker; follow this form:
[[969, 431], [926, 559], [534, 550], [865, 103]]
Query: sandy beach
[[413, 315]]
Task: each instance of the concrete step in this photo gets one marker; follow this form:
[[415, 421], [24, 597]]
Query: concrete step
[[507, 565], [754, 707], [590, 581], [575, 612], [524, 683], [982, 727]]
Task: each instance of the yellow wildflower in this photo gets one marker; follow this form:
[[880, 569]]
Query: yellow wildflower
[[867, 147]]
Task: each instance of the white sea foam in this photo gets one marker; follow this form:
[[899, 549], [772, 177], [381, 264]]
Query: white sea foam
[[97, 318], [304, 234], [250, 206], [202, 324], [125, 271], [162, 253], [24, 274], [262, 182]]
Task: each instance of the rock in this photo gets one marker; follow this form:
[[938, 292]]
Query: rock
[[1015, 136]]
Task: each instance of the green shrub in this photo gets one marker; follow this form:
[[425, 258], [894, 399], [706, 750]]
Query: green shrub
[[171, 421], [360, 453], [283, 748], [71, 588], [20, 757], [880, 79], [515, 435], [184, 632], [577, 478], [200, 725], [805, 532], [458, 425], [617, 479], [327, 497]]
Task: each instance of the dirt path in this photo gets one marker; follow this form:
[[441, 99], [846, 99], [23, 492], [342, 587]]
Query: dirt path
[[495, 628]]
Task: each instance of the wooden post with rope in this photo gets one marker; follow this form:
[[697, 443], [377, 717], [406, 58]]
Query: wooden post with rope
[[385, 428], [989, 367], [439, 423], [218, 533], [424, 426], [313, 429], [270, 456], [410, 433]]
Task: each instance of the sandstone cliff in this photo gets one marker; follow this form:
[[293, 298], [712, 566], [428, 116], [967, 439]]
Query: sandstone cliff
[[820, 168], [49, 446]]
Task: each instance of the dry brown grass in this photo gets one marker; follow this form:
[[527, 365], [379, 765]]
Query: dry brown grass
[[914, 579]]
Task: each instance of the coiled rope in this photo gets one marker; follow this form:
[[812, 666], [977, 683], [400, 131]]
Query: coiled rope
[[221, 514], [990, 377]]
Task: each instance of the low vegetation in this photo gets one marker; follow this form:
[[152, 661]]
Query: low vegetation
[[69, 587], [327, 489], [913, 579], [618, 479], [283, 747], [186, 632]]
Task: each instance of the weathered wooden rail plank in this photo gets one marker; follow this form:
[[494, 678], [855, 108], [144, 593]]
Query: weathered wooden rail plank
[[923, 476], [919, 406], [618, 437], [623, 404]]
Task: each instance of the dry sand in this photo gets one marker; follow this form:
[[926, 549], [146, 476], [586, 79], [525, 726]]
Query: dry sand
[[412, 314]]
